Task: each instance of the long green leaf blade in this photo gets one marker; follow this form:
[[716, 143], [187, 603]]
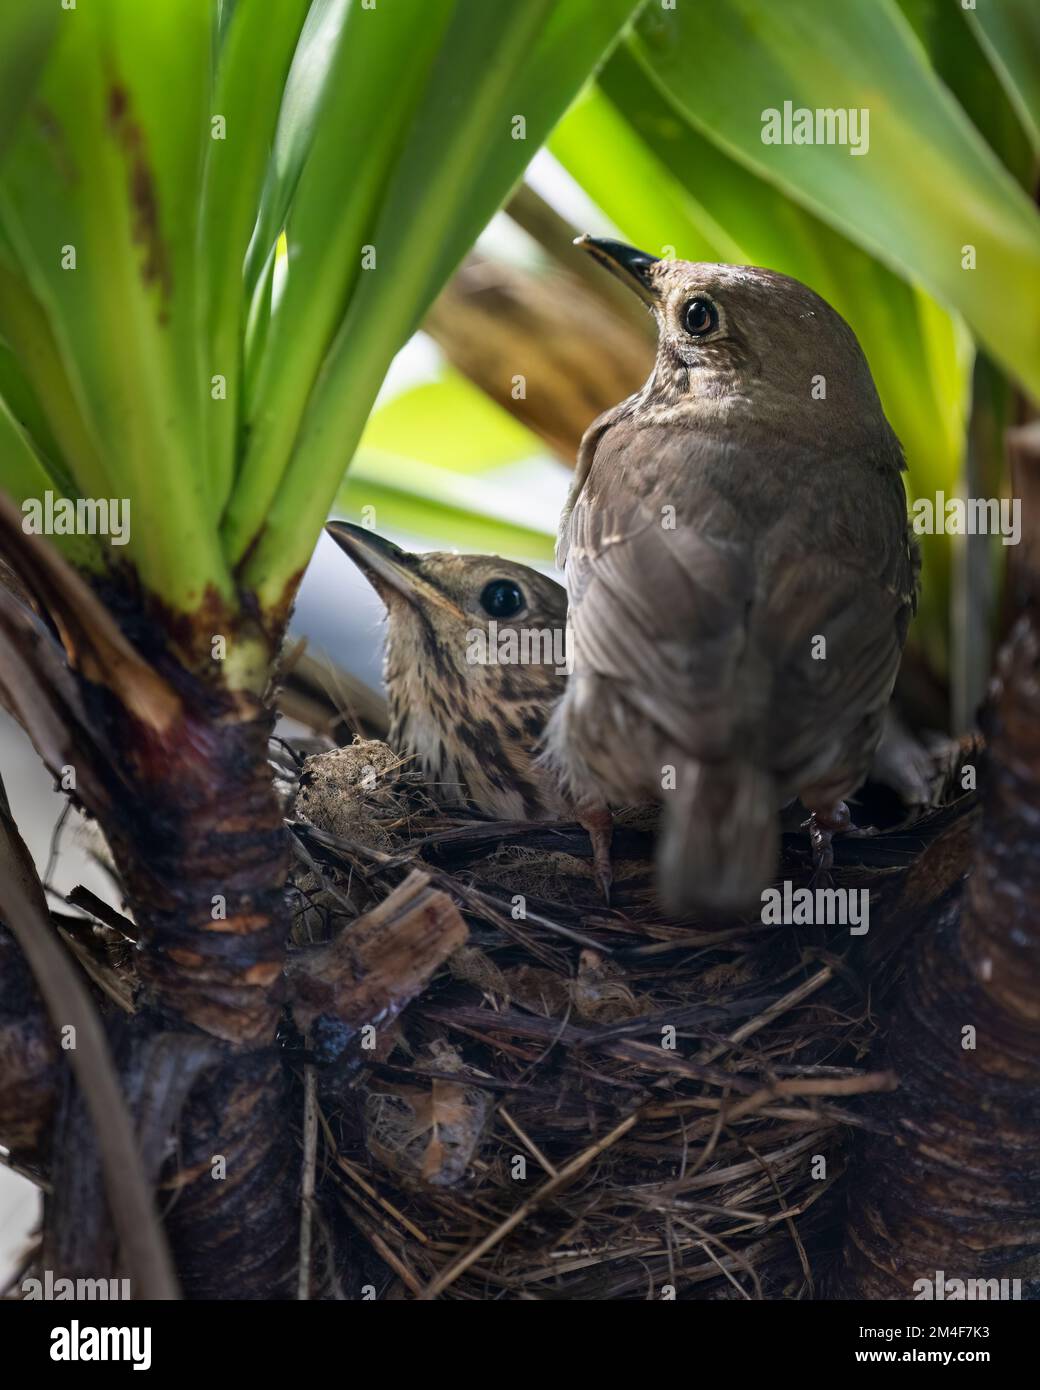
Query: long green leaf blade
[[481, 435], [26, 34], [376, 79], [26, 477], [307, 88], [956, 53], [417, 514], [23, 323], [254, 58], [99, 197], [926, 187], [1009, 31], [461, 155]]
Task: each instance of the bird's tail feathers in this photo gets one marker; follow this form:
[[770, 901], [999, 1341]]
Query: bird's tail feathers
[[720, 837]]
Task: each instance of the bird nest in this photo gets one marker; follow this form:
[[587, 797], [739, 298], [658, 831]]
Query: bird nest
[[515, 1091]]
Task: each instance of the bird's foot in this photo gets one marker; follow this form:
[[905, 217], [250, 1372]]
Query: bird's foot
[[599, 824], [822, 827], [861, 832]]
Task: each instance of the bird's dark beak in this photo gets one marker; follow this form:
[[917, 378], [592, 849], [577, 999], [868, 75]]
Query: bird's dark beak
[[630, 266], [389, 569]]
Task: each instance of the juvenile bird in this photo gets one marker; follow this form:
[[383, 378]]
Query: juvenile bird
[[475, 659], [741, 576]]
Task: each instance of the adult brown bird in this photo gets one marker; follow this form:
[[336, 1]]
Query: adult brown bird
[[741, 576], [475, 659]]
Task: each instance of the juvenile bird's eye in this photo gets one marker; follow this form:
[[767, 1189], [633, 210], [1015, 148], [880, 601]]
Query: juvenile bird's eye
[[699, 317], [502, 598]]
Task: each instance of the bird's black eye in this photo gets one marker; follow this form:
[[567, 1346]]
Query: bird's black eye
[[502, 598], [699, 317]]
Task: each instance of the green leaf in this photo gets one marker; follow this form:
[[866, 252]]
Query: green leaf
[[1009, 32], [26, 476], [458, 163], [376, 78], [37, 385], [225, 12], [598, 145], [574, 40], [307, 88], [448, 423], [949, 38], [414, 514], [399, 126], [26, 34], [23, 406], [928, 185], [482, 496], [109, 170], [256, 50]]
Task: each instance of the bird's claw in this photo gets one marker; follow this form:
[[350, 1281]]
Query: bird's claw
[[861, 832], [822, 830], [599, 825]]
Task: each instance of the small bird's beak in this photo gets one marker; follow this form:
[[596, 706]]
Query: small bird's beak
[[630, 266], [387, 567]]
